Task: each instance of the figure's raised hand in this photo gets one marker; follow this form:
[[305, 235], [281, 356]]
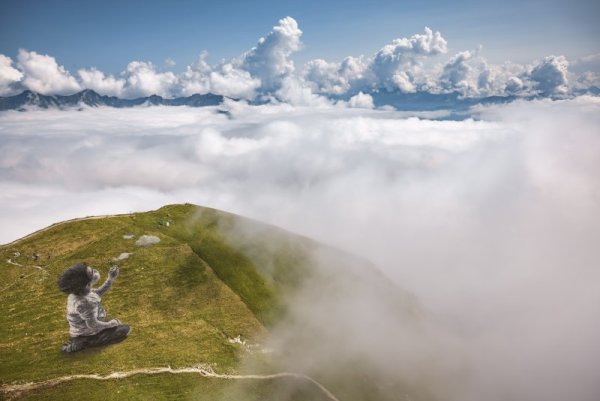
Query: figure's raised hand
[[113, 272]]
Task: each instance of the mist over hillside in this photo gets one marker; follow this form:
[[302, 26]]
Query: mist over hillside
[[490, 222]]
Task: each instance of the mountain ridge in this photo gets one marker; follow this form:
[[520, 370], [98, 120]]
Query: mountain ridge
[[417, 101], [92, 98]]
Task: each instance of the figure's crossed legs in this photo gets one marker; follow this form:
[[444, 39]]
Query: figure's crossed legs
[[108, 336]]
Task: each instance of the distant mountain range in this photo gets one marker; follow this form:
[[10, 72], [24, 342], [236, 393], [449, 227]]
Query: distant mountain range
[[401, 101], [454, 101], [425, 101], [90, 98], [419, 101]]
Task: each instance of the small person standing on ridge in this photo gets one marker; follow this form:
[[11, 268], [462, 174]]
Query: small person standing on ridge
[[87, 318]]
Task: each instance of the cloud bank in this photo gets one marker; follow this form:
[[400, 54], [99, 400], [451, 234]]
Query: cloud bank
[[492, 223], [266, 71]]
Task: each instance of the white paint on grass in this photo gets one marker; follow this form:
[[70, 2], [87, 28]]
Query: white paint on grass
[[147, 240], [123, 256], [16, 390]]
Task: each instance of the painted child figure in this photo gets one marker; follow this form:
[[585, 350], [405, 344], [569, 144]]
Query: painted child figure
[[87, 318]]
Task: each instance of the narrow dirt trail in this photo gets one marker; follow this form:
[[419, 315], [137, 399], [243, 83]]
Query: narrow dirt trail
[[13, 391]]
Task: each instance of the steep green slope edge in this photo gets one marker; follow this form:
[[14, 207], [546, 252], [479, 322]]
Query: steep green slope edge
[[185, 296]]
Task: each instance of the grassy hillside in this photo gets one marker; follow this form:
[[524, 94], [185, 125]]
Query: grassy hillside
[[212, 278], [185, 297]]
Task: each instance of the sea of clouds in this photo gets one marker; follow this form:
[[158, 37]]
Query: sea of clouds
[[492, 222], [419, 63]]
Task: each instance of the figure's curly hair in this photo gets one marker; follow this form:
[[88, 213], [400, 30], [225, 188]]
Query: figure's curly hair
[[74, 280]]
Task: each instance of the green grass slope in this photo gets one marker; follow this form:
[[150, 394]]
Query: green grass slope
[[212, 278], [185, 297]]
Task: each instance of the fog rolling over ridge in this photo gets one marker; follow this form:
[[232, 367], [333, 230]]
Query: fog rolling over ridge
[[492, 223], [350, 327]]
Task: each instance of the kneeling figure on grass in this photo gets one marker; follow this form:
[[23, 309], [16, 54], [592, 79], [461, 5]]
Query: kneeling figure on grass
[[88, 326]]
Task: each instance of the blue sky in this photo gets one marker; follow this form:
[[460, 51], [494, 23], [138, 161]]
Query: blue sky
[[109, 34]]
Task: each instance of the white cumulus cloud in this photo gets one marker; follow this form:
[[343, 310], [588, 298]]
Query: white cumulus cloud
[[196, 77], [104, 84], [470, 74], [456, 73], [514, 85], [397, 65], [42, 74], [297, 92], [270, 59], [550, 75], [325, 77], [230, 81], [224, 79], [361, 100], [262, 69], [9, 76], [143, 79]]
